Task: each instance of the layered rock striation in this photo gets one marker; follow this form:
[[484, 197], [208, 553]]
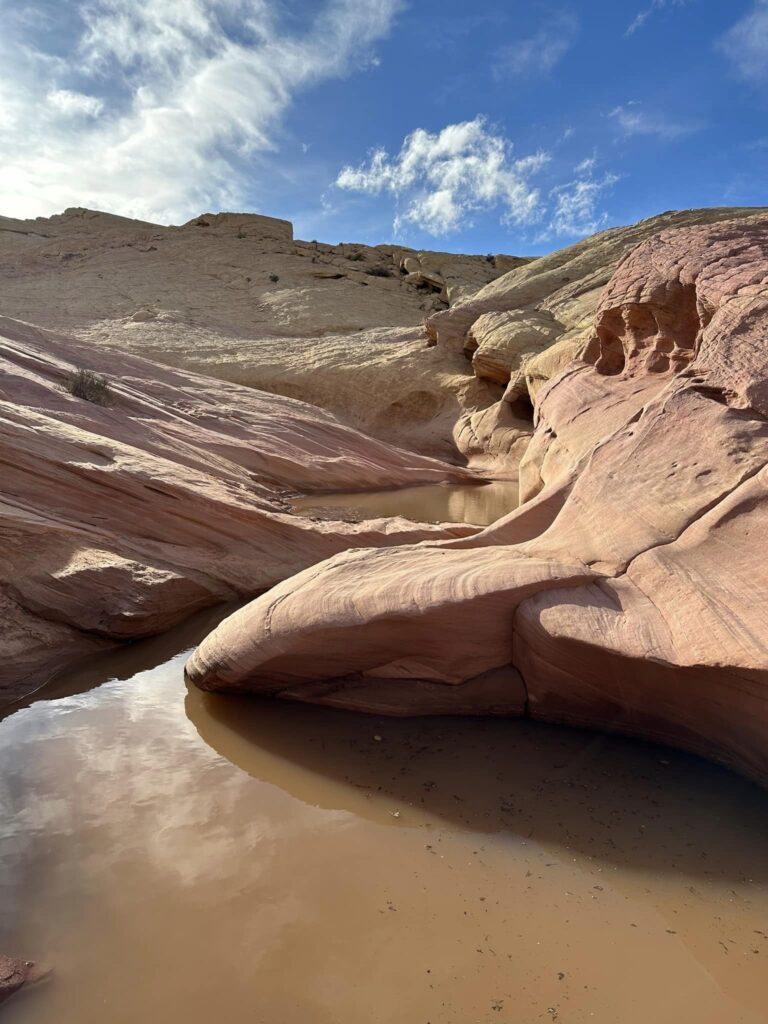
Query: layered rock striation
[[118, 519]]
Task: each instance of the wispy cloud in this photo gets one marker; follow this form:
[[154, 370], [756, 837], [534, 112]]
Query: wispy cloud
[[632, 119], [654, 7], [746, 43], [440, 180], [576, 205], [538, 54], [586, 166], [152, 109]]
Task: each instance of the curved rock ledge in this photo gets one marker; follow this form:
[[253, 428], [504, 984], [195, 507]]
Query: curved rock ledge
[[630, 592]]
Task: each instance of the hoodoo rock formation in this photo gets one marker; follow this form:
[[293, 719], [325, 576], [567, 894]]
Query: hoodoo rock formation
[[629, 591]]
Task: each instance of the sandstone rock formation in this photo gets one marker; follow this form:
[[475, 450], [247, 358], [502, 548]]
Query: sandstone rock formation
[[629, 592], [14, 974], [118, 520], [122, 282], [233, 296], [625, 593], [523, 328]]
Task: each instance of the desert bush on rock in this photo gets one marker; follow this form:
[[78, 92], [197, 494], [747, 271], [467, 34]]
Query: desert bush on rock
[[90, 386], [379, 272]]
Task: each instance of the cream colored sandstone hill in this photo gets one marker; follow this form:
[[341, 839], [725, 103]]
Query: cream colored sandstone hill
[[463, 385], [238, 275], [236, 297]]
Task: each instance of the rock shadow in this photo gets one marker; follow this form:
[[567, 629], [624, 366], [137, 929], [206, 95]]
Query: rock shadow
[[621, 801]]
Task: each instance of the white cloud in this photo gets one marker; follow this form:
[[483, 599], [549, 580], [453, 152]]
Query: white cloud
[[575, 210], [656, 5], [74, 104], [746, 44], [154, 106], [633, 120], [440, 179], [586, 166], [538, 53]]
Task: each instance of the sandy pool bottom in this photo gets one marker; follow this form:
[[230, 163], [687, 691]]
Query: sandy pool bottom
[[185, 858]]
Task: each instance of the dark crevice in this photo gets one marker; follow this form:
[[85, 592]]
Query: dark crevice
[[522, 408]]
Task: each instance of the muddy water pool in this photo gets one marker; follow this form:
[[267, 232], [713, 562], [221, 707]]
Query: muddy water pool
[[479, 504], [179, 857]]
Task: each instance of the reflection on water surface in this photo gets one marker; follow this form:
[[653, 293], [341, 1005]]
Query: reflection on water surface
[[182, 857], [479, 504]]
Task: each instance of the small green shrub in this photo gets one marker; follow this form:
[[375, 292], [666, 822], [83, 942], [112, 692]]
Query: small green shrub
[[274, 278], [90, 386], [379, 272], [356, 256]]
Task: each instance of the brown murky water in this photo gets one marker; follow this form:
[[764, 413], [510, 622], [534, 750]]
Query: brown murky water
[[185, 858], [480, 504]]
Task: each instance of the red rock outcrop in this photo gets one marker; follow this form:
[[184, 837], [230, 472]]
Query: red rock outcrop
[[116, 521], [629, 593]]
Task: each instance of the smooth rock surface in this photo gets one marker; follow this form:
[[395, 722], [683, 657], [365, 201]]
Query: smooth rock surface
[[629, 593]]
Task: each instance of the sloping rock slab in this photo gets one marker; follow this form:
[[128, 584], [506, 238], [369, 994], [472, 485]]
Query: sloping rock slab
[[118, 519]]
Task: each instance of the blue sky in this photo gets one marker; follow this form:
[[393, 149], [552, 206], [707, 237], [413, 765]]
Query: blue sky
[[515, 126]]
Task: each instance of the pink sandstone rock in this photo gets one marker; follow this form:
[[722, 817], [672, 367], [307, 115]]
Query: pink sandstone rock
[[629, 593], [118, 521], [523, 328]]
